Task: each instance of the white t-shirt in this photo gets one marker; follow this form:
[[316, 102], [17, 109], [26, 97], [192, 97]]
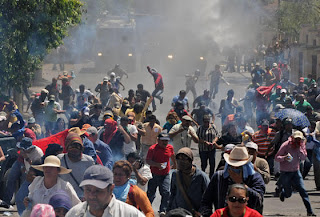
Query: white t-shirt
[[85, 94], [131, 146], [182, 139], [38, 193], [146, 173]]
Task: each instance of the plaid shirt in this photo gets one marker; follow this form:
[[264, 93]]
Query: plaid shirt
[[208, 135]]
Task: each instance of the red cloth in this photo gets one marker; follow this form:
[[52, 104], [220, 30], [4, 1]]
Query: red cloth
[[58, 138], [99, 160], [29, 133], [160, 155], [110, 130], [265, 91], [223, 212]]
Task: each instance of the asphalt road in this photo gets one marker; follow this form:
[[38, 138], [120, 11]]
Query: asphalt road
[[173, 84]]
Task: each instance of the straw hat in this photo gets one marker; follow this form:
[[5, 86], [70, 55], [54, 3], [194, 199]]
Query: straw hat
[[76, 130], [238, 156], [52, 161]]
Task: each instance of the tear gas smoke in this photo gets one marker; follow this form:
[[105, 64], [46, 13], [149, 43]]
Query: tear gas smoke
[[193, 33]]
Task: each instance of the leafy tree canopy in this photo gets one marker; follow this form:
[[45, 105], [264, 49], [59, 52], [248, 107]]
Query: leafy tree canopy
[[28, 30], [292, 14]]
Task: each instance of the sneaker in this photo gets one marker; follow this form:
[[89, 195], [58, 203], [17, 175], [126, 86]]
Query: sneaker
[[4, 204], [281, 196], [162, 214], [161, 100], [311, 214]]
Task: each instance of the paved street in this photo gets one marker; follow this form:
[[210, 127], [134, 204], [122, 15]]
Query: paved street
[[173, 83]]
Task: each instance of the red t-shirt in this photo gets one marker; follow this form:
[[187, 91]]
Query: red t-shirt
[[223, 212], [160, 155]]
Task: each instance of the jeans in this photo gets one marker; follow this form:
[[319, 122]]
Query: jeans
[[156, 94], [21, 194], [204, 156], [316, 170], [270, 160], [307, 163], [289, 179], [14, 176], [163, 182]]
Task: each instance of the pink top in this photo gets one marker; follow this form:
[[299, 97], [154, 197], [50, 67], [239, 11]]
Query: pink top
[[298, 154]]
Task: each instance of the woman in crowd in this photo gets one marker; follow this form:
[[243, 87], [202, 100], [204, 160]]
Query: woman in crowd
[[43, 188], [141, 172], [125, 191], [172, 119], [237, 198], [59, 126]]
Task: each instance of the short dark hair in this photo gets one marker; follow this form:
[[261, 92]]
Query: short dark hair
[[182, 92], [140, 85]]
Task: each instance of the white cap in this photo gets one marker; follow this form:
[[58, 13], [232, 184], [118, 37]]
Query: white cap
[[283, 91], [252, 145]]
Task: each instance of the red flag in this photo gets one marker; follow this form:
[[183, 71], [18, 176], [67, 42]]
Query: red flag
[[265, 90], [58, 138]]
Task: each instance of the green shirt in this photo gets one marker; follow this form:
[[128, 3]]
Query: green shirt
[[302, 106]]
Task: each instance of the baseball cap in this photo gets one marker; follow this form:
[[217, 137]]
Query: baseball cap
[[105, 79], [283, 91], [187, 118], [60, 199], [98, 176], [298, 134], [92, 130], [31, 120], [301, 79], [252, 145], [44, 91], [228, 148], [85, 110], [164, 136]]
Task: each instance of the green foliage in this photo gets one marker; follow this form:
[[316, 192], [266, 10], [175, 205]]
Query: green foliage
[[293, 14], [28, 30]]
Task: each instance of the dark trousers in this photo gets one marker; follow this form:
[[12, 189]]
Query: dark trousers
[[307, 163], [163, 182], [204, 157]]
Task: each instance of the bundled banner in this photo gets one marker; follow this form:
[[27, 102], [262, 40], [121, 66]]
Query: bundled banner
[[58, 138], [265, 91]]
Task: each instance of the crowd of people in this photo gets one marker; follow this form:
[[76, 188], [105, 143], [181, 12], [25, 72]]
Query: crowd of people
[[107, 156]]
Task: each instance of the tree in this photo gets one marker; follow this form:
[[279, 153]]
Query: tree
[[28, 30], [292, 14]]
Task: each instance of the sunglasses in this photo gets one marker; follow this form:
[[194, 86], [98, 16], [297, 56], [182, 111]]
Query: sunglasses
[[240, 199]]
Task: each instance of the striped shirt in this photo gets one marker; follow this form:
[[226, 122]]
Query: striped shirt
[[263, 141], [207, 134]]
